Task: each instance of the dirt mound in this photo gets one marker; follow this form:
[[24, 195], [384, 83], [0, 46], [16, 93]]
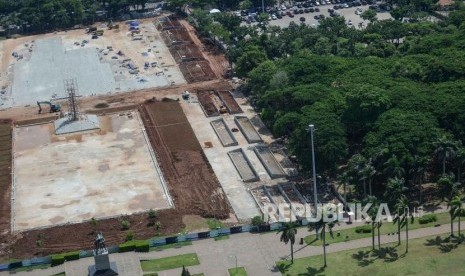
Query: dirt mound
[[191, 181]]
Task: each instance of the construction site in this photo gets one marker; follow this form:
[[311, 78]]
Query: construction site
[[119, 126]]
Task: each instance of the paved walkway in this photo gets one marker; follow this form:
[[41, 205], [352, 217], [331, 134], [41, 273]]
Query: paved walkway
[[258, 253]]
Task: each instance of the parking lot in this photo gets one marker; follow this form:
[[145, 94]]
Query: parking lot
[[347, 13]]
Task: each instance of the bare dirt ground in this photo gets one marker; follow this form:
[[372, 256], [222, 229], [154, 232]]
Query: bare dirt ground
[[191, 180], [218, 62], [229, 102], [5, 178], [190, 165], [82, 235]]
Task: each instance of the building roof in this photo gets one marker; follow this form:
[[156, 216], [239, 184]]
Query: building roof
[[446, 2]]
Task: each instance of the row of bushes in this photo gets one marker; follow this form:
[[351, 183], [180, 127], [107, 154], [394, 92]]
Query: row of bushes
[[59, 259], [363, 229], [136, 245], [427, 219]]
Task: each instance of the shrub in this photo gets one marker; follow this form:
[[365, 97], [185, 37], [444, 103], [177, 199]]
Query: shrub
[[142, 246], [427, 219], [126, 247], [152, 214], [125, 225], [101, 105], [57, 259], [71, 256], [363, 229], [257, 220], [93, 221], [130, 236]]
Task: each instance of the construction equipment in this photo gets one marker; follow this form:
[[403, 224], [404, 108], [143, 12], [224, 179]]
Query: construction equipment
[[53, 107]]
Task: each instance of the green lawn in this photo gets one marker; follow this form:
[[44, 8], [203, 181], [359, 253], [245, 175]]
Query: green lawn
[[200, 274], [29, 268], [427, 256], [169, 262], [214, 224], [388, 227], [220, 238], [240, 271], [171, 245]]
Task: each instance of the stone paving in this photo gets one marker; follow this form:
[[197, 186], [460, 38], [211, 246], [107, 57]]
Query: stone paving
[[257, 253]]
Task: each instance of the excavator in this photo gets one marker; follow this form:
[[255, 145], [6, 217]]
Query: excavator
[[53, 107]]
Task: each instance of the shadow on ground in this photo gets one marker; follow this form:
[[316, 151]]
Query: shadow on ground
[[446, 244], [387, 254]]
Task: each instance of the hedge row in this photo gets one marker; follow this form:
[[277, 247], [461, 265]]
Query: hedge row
[[363, 229], [59, 259], [427, 219], [138, 246]]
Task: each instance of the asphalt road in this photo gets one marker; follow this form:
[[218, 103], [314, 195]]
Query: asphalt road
[[347, 13]]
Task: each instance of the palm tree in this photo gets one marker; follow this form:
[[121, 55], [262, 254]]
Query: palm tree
[[445, 150], [288, 232], [456, 210], [356, 167], [419, 168], [460, 161], [394, 190], [368, 171], [392, 168], [372, 213], [401, 205], [321, 226]]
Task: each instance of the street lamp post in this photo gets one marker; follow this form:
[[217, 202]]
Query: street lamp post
[[311, 128]]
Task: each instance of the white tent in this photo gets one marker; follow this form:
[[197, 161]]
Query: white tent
[[215, 11]]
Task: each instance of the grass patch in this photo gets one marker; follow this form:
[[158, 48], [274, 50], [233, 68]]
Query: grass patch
[[220, 238], [30, 268], [200, 274], [388, 227], [240, 271], [170, 262], [214, 224], [151, 274], [171, 245], [428, 256]]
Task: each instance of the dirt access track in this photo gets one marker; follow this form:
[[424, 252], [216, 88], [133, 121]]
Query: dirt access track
[[191, 180]]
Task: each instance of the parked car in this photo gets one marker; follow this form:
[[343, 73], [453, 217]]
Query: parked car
[[302, 19]]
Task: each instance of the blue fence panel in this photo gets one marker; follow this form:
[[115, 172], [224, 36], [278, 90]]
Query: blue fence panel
[[275, 226], [304, 222], [182, 238], [249, 228], [224, 231], [15, 265], [113, 249], [42, 260], [86, 253], [236, 229], [214, 233], [192, 236], [170, 240], [4, 267], [157, 242], [203, 235], [26, 263]]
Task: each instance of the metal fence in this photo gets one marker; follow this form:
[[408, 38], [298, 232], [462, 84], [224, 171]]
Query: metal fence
[[157, 242]]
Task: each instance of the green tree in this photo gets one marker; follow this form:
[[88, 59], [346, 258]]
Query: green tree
[[395, 189], [369, 15], [288, 232], [251, 57], [322, 226], [457, 210], [445, 150]]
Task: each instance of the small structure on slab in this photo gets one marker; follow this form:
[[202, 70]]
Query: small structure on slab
[[102, 266]]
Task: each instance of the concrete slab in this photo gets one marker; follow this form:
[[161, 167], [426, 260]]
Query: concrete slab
[[71, 178], [66, 125]]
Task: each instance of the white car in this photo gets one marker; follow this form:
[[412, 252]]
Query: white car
[[317, 3], [349, 23], [274, 17]]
